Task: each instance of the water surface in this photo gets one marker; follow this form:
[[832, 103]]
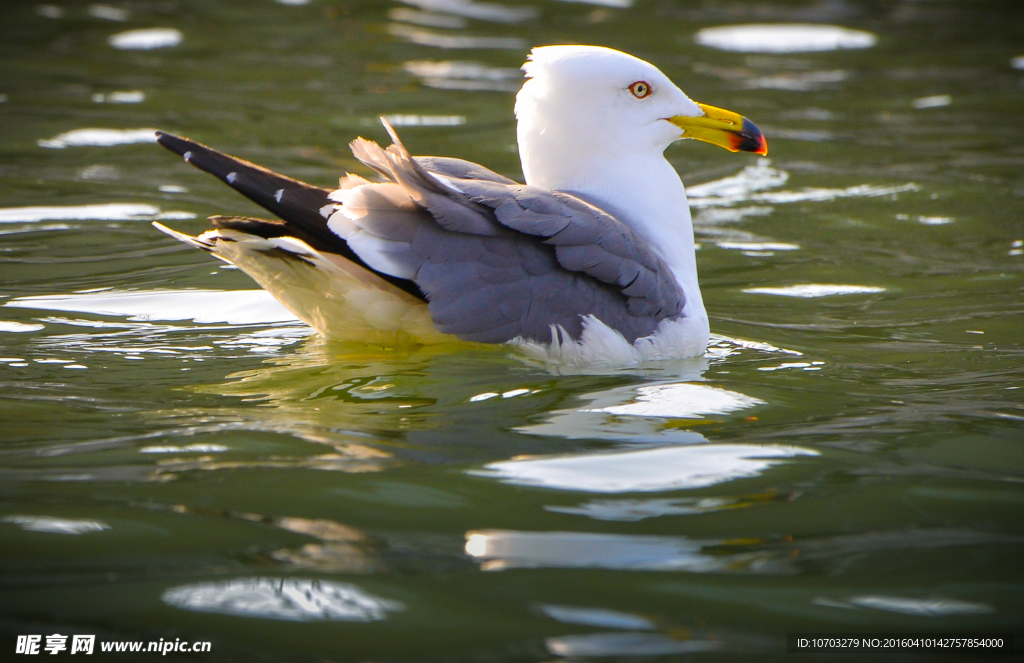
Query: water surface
[[181, 458]]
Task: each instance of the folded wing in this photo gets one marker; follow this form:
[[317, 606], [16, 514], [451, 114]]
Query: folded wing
[[497, 259]]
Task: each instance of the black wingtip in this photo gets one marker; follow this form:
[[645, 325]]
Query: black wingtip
[[166, 139], [177, 144], [297, 203]]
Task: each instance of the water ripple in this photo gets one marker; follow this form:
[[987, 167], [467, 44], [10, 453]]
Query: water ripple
[[291, 599]]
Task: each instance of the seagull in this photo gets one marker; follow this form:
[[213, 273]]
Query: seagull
[[589, 263]]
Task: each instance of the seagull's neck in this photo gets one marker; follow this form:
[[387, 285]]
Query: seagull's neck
[[641, 190]]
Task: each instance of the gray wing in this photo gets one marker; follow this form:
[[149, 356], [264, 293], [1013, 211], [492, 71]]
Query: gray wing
[[461, 169], [498, 259]]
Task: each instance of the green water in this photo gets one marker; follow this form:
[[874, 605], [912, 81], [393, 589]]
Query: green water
[[850, 462]]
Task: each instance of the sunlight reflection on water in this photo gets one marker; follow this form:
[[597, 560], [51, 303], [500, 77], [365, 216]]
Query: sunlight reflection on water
[[809, 290], [99, 138], [239, 307], [627, 644], [783, 38], [425, 37], [647, 470], [498, 550], [51, 525], [291, 599], [681, 400], [597, 617], [146, 39], [101, 212], [481, 11]]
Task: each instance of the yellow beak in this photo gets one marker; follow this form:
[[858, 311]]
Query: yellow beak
[[723, 128]]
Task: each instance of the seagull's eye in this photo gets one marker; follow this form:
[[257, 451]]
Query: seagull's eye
[[640, 89]]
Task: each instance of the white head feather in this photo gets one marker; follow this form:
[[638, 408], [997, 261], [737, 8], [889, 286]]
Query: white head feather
[[577, 109], [582, 130]]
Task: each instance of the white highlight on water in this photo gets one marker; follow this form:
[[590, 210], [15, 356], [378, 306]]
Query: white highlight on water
[[620, 4], [98, 138], [807, 366], [600, 617], [51, 525], [682, 400], [425, 120], [752, 184], [481, 11], [188, 449], [239, 307], [427, 19], [672, 467], [758, 246], [930, 607], [121, 97], [497, 550], [288, 599], [97, 212], [784, 38], [18, 327], [441, 40], [936, 101], [108, 13], [146, 39], [815, 290], [460, 75]]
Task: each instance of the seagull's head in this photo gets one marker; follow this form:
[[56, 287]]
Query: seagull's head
[[598, 102]]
